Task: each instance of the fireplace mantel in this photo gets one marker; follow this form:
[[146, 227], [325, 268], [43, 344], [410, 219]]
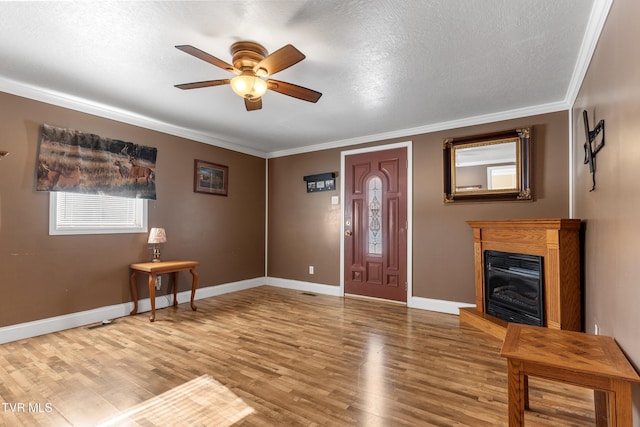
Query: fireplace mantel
[[558, 242]]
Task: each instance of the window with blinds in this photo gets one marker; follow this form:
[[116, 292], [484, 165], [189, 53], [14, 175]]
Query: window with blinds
[[76, 213]]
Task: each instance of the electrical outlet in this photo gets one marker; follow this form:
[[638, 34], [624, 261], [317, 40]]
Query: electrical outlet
[[311, 269], [158, 282]]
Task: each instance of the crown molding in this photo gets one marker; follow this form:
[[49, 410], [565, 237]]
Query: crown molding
[[595, 24], [109, 112], [436, 127]]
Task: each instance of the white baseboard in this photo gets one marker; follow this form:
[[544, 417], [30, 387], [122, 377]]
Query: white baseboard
[[227, 288], [304, 286], [82, 318], [440, 306]]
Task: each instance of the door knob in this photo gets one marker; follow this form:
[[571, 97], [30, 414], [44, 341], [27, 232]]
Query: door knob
[[348, 233]]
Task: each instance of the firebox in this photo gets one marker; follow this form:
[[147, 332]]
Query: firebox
[[513, 285]]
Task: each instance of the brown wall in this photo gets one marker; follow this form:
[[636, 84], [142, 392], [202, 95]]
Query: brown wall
[[611, 91], [43, 276], [304, 229]]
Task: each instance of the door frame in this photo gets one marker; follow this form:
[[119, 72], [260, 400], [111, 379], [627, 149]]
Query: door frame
[[343, 155]]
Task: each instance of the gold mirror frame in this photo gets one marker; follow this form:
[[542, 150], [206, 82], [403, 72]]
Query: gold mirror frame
[[522, 189]]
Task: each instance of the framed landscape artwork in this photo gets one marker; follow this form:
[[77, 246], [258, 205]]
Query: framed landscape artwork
[[210, 178]]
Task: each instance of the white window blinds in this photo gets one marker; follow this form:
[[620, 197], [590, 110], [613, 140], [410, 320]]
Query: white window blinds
[[76, 213]]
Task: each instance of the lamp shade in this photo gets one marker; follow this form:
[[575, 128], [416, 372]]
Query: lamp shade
[[157, 235], [248, 86]]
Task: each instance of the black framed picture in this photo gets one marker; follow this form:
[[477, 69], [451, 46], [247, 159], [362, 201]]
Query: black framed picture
[[210, 178]]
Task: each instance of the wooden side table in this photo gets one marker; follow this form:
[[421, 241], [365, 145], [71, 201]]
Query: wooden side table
[[592, 361], [162, 267]]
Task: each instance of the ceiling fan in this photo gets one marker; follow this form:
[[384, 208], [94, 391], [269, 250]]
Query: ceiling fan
[[252, 66]]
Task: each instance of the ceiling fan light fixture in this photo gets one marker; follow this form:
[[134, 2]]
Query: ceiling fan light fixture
[[249, 86], [252, 67]]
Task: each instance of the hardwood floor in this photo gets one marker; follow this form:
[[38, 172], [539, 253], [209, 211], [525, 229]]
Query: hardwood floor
[[292, 358]]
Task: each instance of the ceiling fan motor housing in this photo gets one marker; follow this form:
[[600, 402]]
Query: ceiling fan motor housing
[[247, 54]]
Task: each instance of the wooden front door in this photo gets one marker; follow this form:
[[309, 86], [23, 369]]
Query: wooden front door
[[375, 224]]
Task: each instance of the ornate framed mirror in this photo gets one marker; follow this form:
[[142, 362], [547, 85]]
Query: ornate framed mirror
[[489, 167]]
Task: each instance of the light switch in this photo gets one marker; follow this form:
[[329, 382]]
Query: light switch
[[335, 200]]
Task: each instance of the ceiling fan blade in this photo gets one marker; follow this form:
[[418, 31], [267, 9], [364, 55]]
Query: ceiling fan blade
[[207, 83], [295, 91], [279, 60], [208, 58], [253, 105]]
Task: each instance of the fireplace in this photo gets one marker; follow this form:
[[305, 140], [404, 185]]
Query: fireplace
[[557, 242], [514, 287]]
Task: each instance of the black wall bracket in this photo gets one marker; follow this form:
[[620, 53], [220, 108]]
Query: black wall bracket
[[590, 151]]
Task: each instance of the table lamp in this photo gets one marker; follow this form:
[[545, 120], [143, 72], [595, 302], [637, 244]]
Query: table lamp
[[156, 237]]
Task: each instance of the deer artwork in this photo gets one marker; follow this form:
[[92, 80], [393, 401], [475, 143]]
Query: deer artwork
[[58, 179], [122, 169], [144, 172], [72, 180], [134, 170], [47, 174]]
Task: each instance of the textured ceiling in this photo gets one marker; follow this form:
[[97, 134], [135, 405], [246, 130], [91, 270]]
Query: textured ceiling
[[385, 68]]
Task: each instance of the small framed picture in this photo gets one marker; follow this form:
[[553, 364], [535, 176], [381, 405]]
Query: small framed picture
[[210, 178], [320, 182]]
